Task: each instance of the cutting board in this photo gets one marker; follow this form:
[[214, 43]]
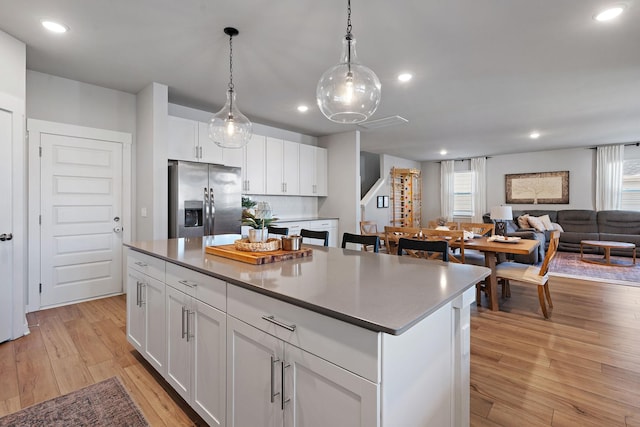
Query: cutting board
[[257, 258]]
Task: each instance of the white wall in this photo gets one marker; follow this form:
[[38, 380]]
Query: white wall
[[57, 99], [343, 172], [580, 162], [12, 71]]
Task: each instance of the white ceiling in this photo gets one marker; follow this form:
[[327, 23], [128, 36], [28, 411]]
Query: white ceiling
[[486, 72]]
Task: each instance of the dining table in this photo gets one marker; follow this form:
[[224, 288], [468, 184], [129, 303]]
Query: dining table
[[492, 247]]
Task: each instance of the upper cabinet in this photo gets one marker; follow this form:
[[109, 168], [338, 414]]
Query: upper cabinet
[[269, 165], [313, 170], [282, 172], [189, 140]]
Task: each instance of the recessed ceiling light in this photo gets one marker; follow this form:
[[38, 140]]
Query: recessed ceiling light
[[303, 108], [610, 13], [443, 152], [534, 135], [405, 77], [54, 27]]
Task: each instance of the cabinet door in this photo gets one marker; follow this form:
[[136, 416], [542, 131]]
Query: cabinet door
[[208, 151], [135, 310], [274, 163], [321, 172], [178, 348], [290, 168], [253, 376], [322, 394], [209, 364], [307, 170], [182, 141], [155, 336], [253, 170]]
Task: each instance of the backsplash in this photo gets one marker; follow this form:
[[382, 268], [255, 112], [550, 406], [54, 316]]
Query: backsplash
[[290, 207]]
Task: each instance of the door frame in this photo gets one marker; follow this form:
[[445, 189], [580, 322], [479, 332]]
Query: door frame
[[34, 130], [19, 214]]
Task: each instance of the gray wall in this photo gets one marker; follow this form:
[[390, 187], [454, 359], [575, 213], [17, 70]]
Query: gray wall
[[12, 71]]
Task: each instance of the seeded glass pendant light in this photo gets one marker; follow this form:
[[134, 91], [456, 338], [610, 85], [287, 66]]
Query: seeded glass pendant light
[[348, 92], [229, 128]]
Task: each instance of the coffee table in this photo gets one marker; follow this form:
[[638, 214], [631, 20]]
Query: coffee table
[[607, 246]]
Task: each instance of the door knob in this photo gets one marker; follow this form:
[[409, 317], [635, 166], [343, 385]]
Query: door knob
[[116, 219], [117, 229], [4, 237]]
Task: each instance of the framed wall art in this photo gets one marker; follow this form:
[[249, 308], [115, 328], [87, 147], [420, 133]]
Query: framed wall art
[[537, 188]]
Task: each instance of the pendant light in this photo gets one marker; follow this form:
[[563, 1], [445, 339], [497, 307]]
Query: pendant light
[[348, 92], [229, 128]]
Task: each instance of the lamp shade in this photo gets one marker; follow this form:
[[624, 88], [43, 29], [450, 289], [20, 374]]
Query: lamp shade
[[501, 213]]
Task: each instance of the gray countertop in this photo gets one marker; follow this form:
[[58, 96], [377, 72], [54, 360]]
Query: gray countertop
[[381, 292]]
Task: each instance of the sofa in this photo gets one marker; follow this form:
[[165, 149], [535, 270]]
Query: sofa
[[577, 225]]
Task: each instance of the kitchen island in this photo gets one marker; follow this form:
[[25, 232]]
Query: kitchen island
[[340, 338]]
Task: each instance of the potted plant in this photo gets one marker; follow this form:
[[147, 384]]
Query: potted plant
[[259, 226]]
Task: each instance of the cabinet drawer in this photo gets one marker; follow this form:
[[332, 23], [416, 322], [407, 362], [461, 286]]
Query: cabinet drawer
[[151, 266], [351, 347], [323, 224], [205, 288]]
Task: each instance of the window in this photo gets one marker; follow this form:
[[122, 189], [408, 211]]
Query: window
[[462, 197], [631, 185]]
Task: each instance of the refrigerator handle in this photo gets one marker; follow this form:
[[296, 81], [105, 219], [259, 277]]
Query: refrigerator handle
[[205, 224], [212, 216]]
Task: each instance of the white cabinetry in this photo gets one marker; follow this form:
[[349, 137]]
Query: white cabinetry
[[145, 308], [254, 166], [282, 173], [330, 225], [189, 140], [286, 385], [196, 341], [313, 170]]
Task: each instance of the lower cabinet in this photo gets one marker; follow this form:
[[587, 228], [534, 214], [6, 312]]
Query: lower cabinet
[[145, 317], [196, 354], [287, 386]]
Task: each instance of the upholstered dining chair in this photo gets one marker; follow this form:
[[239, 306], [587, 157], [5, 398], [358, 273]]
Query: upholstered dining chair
[[429, 249], [530, 274], [365, 241], [313, 234]]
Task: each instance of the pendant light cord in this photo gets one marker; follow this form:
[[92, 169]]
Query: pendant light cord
[[349, 27], [231, 72]]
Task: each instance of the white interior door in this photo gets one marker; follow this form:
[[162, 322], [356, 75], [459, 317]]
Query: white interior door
[[6, 227], [81, 223]]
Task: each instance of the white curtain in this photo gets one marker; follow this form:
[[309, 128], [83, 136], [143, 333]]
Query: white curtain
[[446, 190], [479, 190], [609, 169]]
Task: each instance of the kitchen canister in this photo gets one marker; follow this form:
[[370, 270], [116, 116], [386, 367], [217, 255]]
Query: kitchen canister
[[291, 243]]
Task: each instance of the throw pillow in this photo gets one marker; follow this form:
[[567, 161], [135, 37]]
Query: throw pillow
[[523, 221], [557, 226], [546, 221], [536, 223]]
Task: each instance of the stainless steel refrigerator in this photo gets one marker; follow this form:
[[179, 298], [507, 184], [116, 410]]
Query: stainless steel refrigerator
[[204, 199]]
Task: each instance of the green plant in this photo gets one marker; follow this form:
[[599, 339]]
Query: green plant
[[252, 221], [247, 203]]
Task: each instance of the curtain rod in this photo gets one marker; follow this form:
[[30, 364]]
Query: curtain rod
[[462, 160], [637, 144]]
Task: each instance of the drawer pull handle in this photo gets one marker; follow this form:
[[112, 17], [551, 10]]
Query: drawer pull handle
[[188, 283], [275, 321], [283, 400], [141, 264]]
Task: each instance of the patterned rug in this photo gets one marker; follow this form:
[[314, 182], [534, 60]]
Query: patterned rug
[[568, 264], [103, 404]]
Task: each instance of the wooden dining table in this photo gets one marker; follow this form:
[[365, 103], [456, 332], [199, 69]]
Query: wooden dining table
[[491, 250]]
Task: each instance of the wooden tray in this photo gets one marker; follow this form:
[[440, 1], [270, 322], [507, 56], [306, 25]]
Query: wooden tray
[[257, 258]]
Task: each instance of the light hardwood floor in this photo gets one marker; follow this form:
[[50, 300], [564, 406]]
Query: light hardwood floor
[[581, 367]]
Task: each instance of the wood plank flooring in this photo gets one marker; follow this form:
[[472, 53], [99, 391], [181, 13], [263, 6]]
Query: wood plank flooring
[[581, 367]]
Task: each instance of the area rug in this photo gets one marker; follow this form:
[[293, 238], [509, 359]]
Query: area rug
[[106, 403], [568, 264]]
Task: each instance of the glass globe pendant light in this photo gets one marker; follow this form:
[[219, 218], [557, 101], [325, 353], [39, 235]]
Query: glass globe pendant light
[[229, 128], [348, 92]]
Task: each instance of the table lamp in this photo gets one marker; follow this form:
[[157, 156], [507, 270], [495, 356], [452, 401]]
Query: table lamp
[[500, 214]]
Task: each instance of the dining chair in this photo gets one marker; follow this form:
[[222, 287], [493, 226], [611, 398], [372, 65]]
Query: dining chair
[[531, 274], [362, 240], [455, 237], [450, 225], [281, 231], [481, 228], [393, 234], [370, 228], [315, 234], [429, 249]]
